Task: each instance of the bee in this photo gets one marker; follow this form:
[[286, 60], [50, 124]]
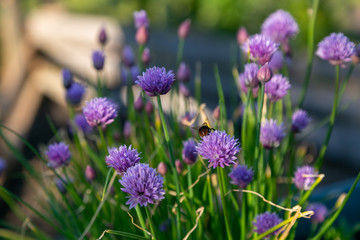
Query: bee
[[205, 128]]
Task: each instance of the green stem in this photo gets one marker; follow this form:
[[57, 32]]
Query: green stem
[[191, 191], [141, 218], [99, 85], [180, 52], [141, 50], [103, 142], [345, 82], [320, 158], [273, 176], [152, 227], [220, 172], [172, 165], [310, 52], [261, 103], [243, 217]]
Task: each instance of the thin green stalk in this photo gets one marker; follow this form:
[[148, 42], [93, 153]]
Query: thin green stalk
[[244, 136], [172, 164], [310, 52], [345, 82], [221, 99], [320, 158], [191, 191], [220, 172], [140, 63], [103, 142], [180, 52], [141, 218], [273, 176], [243, 217], [99, 85], [152, 227], [331, 220], [198, 82], [99, 207], [261, 103]]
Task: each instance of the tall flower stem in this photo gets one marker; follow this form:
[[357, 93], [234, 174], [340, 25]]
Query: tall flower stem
[[191, 191], [152, 227], [141, 218], [180, 52], [257, 140], [243, 217], [141, 50], [320, 158], [310, 52], [172, 165], [99, 85], [103, 142], [220, 172]]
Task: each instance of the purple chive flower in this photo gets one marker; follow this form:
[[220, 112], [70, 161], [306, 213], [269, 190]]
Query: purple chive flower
[[142, 35], [260, 48], [98, 59], [320, 212], [75, 93], [189, 154], [276, 61], [128, 57], [302, 181], [122, 158], [250, 72], [141, 19], [146, 56], [103, 36], [243, 86], [82, 124], [135, 72], [143, 184], [183, 73], [2, 165], [277, 87], [99, 111], [156, 81], [219, 148], [90, 173], [184, 29], [67, 78], [264, 74], [271, 134], [336, 48], [280, 26], [241, 176], [266, 221], [300, 119], [58, 154]]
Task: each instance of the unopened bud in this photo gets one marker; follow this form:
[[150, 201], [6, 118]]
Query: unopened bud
[[179, 166], [184, 90], [162, 168], [90, 173], [183, 73], [128, 57], [264, 74], [184, 29], [142, 35], [146, 57], [216, 113], [242, 36], [127, 129], [139, 103], [103, 36], [67, 78], [149, 107]]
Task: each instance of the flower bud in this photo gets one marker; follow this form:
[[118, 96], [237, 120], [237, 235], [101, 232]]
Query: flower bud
[[183, 73], [149, 107], [128, 57], [216, 113], [103, 36], [162, 168], [142, 35], [179, 166], [135, 72], [127, 129], [184, 29], [184, 90], [264, 74], [90, 173], [242, 36], [146, 57], [139, 103], [75, 93], [98, 59], [67, 78]]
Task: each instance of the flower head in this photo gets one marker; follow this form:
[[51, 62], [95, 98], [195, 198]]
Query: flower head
[[241, 176], [58, 154], [90, 173], [184, 29], [280, 26], [300, 119], [67, 78], [219, 148], [336, 48], [250, 72], [320, 212], [277, 87], [143, 184], [98, 59], [266, 221], [305, 177], [265, 73], [156, 81], [189, 154], [103, 36], [183, 73], [242, 35], [82, 124], [141, 19], [271, 134], [75, 93], [128, 57], [261, 48], [122, 158], [99, 111]]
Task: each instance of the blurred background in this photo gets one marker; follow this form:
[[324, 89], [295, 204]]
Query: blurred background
[[39, 38]]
